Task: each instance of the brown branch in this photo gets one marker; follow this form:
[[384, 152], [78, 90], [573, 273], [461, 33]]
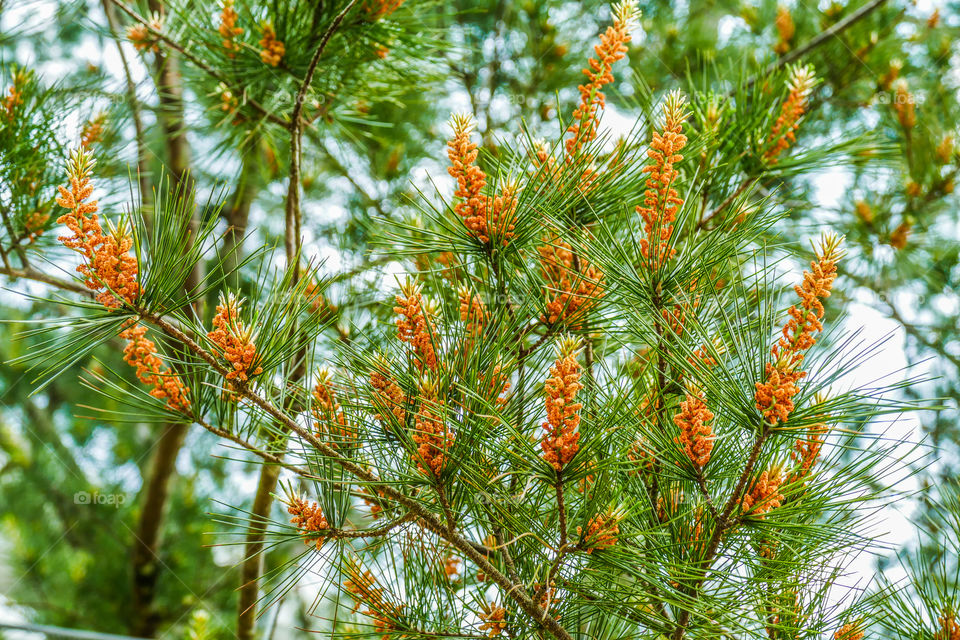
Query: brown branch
[[30, 273], [728, 201]]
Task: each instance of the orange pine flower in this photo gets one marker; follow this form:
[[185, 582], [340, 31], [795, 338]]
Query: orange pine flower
[[949, 627], [493, 619], [15, 96], [660, 200], [499, 385], [544, 164], [800, 83], [903, 104], [142, 37], [230, 104], [641, 455], [806, 451], [451, 566], [764, 494], [805, 321], [785, 29], [365, 590], [701, 358], [228, 28], [141, 353], [34, 223], [573, 284], [107, 261], [372, 502], [235, 340], [471, 180], [376, 9], [484, 217], [387, 394], [309, 520], [111, 272], [431, 433], [900, 235], [774, 396], [92, 131], [415, 325], [272, 50], [560, 441], [331, 420], [602, 532], [473, 311], [612, 48], [849, 631], [696, 433]]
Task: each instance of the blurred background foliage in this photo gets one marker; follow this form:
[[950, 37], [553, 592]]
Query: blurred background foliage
[[109, 526]]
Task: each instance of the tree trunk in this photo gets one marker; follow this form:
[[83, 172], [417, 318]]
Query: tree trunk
[[146, 546]]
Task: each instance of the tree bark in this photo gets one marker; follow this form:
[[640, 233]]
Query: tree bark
[[146, 545]]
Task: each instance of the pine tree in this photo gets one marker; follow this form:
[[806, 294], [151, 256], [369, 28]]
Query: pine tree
[[602, 412]]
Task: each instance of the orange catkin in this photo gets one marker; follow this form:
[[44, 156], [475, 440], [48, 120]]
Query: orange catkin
[[376, 9], [800, 83], [326, 409], [387, 394], [602, 532], [774, 396], [573, 285], [364, 589], [696, 433], [785, 29], [142, 35], [415, 325], [111, 272], [431, 434], [660, 200], [560, 441], [92, 131], [486, 218], [272, 50], [806, 452], [235, 340], [141, 354], [949, 627], [850, 631], [309, 520], [764, 494], [228, 28], [612, 48], [493, 619], [15, 96]]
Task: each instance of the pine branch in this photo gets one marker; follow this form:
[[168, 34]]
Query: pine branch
[[269, 115], [29, 273], [472, 550], [724, 524], [818, 40]]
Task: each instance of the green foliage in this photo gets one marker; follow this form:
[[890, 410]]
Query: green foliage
[[373, 118]]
